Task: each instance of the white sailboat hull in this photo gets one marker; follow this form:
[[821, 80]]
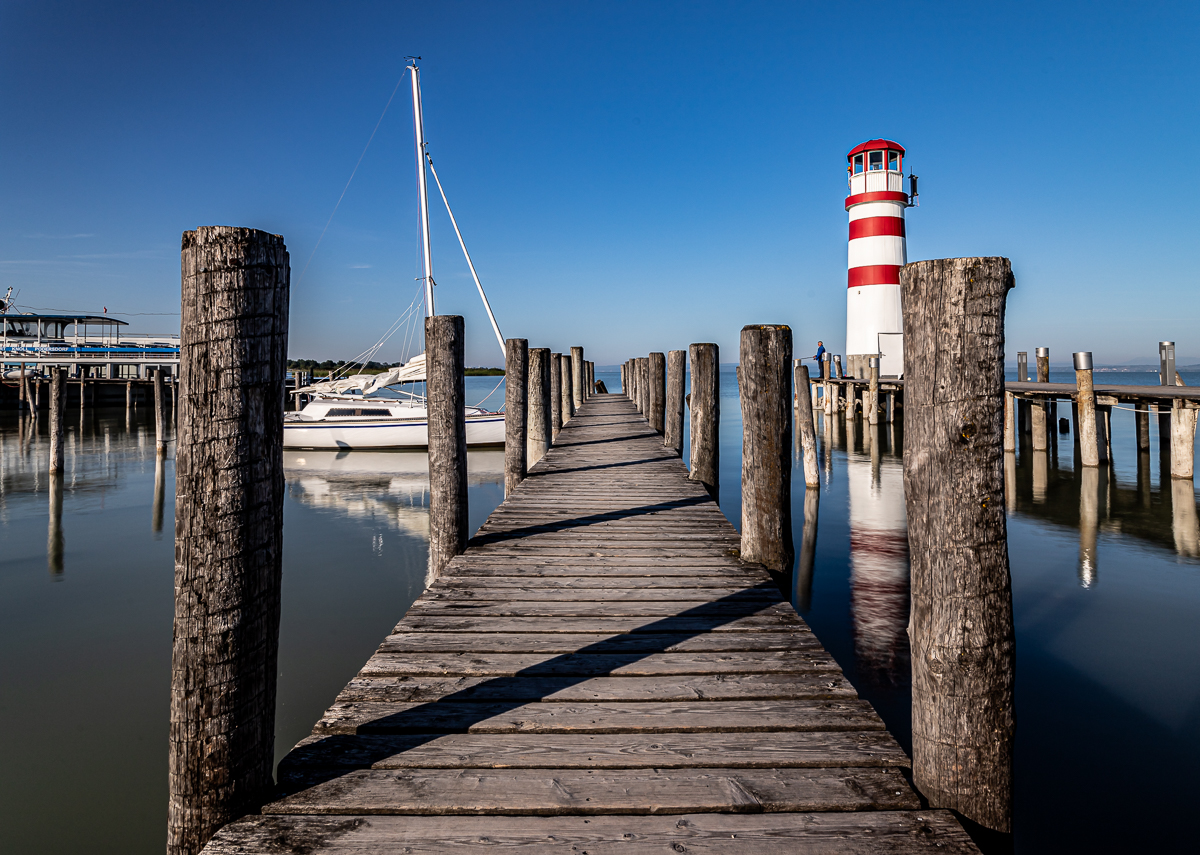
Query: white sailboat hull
[[385, 433]]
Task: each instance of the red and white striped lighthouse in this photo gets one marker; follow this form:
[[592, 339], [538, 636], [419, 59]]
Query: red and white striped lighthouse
[[877, 252]]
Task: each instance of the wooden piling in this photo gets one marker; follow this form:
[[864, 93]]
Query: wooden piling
[[624, 378], [538, 421], [656, 367], [1141, 418], [228, 529], [1085, 400], [873, 391], [673, 415], [128, 396], [22, 387], [58, 400], [568, 390], [516, 437], [805, 426], [578, 393], [556, 413], [1037, 413], [1104, 433], [705, 411], [1183, 440], [765, 389], [160, 419], [961, 624], [444, 341]]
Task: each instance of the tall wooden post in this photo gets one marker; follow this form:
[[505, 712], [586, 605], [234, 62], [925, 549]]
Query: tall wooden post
[[538, 406], [578, 393], [1104, 433], [705, 439], [1183, 440], [568, 390], [961, 624], [805, 427], [765, 388], [444, 348], [128, 396], [556, 397], [228, 529], [673, 417], [656, 367], [1041, 441], [1085, 400], [22, 387], [160, 419], [1141, 419], [58, 400], [624, 378], [516, 436], [873, 391]]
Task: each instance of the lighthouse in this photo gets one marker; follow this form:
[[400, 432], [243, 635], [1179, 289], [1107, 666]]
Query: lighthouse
[[876, 204]]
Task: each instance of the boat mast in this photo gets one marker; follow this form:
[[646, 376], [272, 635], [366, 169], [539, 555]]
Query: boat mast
[[422, 187]]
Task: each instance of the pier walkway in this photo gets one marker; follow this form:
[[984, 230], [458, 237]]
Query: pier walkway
[[598, 672]]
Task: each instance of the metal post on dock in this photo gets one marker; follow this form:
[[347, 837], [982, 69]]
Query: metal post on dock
[[873, 391], [568, 391], [516, 438], [1085, 400], [444, 344], [1038, 408], [673, 418], [705, 410], [656, 366], [578, 393], [556, 413], [160, 419], [538, 423], [805, 427], [58, 386], [228, 529], [765, 390], [1166, 363], [962, 681]]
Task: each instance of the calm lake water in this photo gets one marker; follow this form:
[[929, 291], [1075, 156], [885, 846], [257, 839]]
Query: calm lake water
[[1108, 679]]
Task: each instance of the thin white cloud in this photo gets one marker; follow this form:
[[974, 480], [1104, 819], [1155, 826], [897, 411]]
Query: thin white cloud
[[359, 266]]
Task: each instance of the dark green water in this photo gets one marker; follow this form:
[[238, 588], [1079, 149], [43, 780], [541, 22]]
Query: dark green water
[[1108, 679]]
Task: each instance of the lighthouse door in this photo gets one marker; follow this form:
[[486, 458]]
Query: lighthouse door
[[891, 355]]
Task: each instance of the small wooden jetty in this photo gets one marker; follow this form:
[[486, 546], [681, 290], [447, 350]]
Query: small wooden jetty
[[599, 672]]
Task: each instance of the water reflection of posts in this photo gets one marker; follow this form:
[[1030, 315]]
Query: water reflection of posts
[[160, 419], [1085, 400], [803, 579], [156, 509], [1010, 481], [229, 468], [54, 536], [765, 390], [1184, 523], [961, 626], [1041, 473], [1089, 524]]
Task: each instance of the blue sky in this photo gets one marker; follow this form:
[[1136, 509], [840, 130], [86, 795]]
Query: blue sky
[[632, 176]]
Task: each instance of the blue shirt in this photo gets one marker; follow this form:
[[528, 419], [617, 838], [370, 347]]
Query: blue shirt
[[820, 352]]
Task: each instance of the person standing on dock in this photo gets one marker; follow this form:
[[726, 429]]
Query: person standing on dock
[[820, 352]]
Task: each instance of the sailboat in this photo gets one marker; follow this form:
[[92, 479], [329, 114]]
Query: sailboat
[[381, 411]]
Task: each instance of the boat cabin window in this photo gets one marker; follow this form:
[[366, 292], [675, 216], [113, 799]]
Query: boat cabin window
[[24, 329], [894, 161], [52, 329], [875, 160], [358, 411], [858, 163]]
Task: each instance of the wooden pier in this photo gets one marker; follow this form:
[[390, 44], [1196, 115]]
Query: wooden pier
[[599, 672]]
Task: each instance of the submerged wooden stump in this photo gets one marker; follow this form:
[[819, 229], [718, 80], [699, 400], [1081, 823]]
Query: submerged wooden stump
[[228, 528], [961, 625]]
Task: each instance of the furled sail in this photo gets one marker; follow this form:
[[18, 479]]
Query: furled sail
[[412, 371]]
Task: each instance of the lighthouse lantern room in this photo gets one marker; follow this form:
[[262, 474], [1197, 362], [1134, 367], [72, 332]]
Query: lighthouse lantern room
[[876, 204]]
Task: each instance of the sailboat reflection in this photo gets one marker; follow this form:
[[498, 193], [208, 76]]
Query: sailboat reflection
[[879, 582], [383, 485]]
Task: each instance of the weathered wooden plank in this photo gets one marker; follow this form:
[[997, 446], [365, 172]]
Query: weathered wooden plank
[[408, 662], [734, 606], [617, 585], [530, 593], [540, 792], [796, 640], [316, 755], [606, 717], [569, 688], [826, 833], [613, 625]]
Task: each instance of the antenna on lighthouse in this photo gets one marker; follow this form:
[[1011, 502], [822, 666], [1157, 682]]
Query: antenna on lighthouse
[[914, 199]]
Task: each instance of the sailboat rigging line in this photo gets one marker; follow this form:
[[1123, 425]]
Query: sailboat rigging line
[[467, 255], [489, 394], [352, 174]]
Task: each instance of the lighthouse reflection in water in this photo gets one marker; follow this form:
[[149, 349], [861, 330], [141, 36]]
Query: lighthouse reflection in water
[[879, 587]]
